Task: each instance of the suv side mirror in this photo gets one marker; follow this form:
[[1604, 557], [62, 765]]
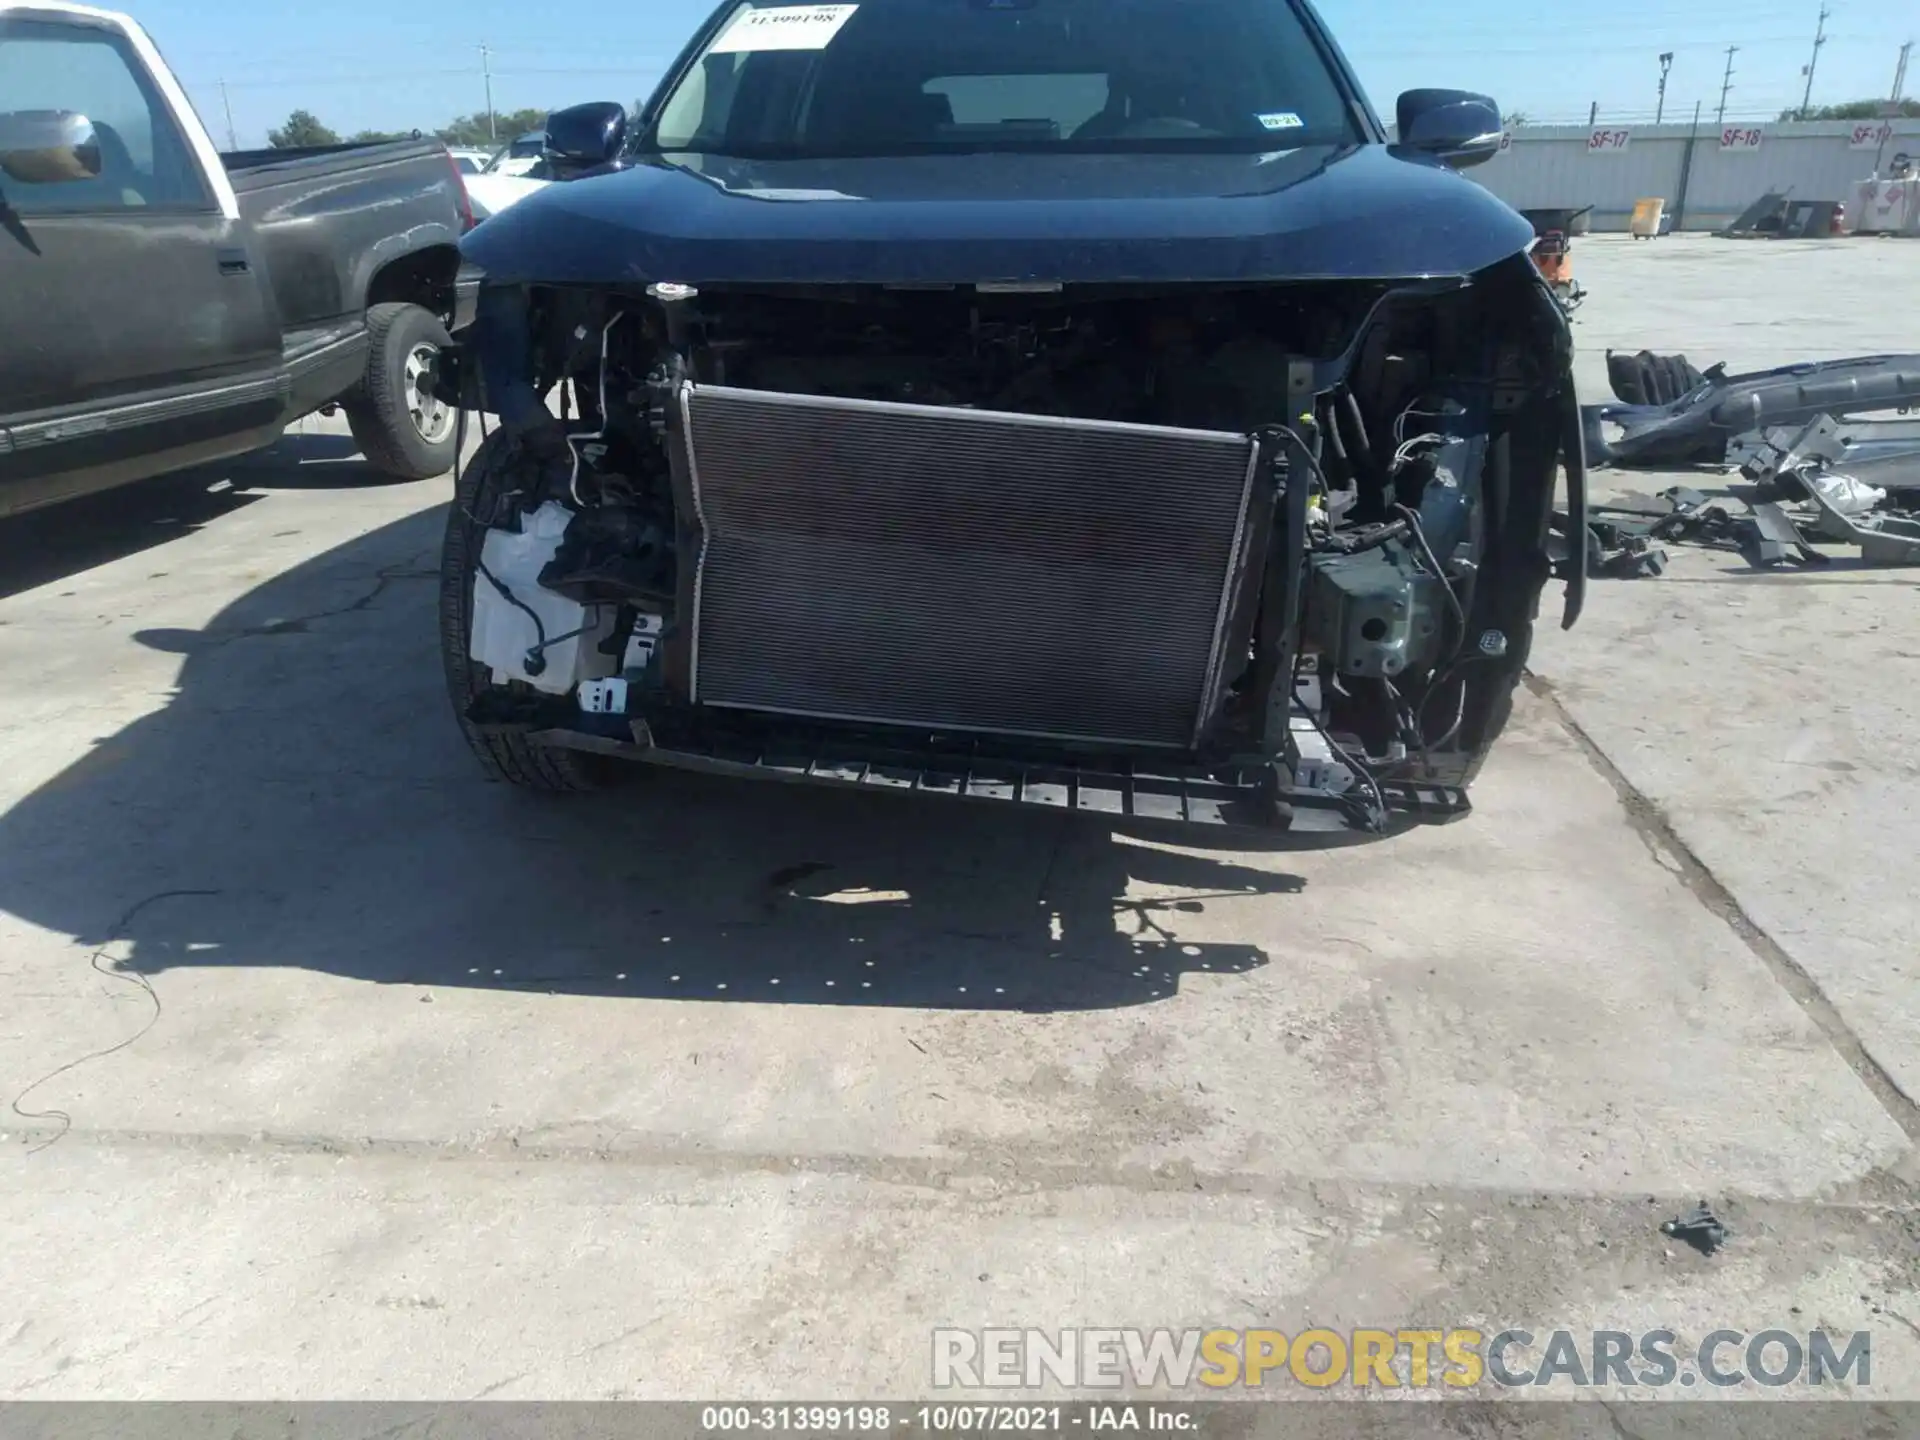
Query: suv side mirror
[[584, 136], [1456, 126], [48, 147]]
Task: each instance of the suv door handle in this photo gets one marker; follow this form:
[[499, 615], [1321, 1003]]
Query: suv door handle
[[233, 262]]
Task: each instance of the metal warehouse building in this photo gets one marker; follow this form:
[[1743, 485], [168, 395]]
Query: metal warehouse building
[[1706, 174]]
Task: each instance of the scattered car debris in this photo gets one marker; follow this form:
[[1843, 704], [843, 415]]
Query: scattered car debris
[[1884, 539], [1858, 468], [1649, 379], [1775, 216], [1620, 537], [1615, 550], [1776, 539], [1781, 453], [1698, 426], [1848, 494], [1698, 1228]]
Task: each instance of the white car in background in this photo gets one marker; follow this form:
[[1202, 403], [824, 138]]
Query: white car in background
[[590, 136], [489, 193], [519, 157], [512, 173], [469, 160]]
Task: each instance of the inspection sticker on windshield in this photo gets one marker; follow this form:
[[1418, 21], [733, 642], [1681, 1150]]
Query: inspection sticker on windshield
[[1282, 120], [785, 27]]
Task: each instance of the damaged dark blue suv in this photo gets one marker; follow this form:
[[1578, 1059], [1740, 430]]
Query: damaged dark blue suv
[[1072, 402]]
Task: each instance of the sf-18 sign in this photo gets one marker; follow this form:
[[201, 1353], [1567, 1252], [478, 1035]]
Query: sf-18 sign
[[1605, 142], [1870, 135], [1737, 137]]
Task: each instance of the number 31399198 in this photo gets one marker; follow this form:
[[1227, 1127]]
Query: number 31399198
[[844, 1419]]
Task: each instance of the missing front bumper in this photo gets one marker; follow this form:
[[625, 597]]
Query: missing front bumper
[[1251, 798]]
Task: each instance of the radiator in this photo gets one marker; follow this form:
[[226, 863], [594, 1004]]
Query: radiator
[[962, 570]]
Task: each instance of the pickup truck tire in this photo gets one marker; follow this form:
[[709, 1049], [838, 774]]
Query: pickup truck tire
[[401, 428], [504, 755]]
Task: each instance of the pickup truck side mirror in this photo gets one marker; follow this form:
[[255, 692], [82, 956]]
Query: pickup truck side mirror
[[48, 147], [1456, 126], [584, 136]]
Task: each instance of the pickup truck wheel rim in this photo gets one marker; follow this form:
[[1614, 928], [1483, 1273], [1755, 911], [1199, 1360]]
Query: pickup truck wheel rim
[[432, 417]]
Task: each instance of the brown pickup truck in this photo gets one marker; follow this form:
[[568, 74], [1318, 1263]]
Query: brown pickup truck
[[166, 305]]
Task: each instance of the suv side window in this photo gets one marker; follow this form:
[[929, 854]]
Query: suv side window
[[145, 162]]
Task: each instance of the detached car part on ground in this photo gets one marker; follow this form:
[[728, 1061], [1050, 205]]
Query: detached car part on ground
[[1155, 470], [1861, 481], [1860, 478], [1673, 414]]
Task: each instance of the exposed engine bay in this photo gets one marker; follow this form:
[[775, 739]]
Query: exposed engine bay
[[1291, 532]]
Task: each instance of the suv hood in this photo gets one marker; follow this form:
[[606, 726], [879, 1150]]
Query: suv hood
[[1354, 213]]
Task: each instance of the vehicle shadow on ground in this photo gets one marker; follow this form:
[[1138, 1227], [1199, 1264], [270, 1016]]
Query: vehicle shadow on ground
[[309, 460], [303, 799], [44, 547]]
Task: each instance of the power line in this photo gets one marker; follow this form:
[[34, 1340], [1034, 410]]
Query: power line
[[333, 81], [1362, 49], [1819, 39]]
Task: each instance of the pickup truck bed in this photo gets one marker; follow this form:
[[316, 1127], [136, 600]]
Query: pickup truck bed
[[166, 305], [320, 270]]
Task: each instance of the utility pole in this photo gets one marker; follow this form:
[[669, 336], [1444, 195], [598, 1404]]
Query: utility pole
[[1892, 112], [1819, 39], [1726, 84], [227, 105], [1666, 64], [1593, 114], [486, 71], [1686, 171]]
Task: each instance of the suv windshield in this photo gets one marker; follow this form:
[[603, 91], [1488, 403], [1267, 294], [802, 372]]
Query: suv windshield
[[890, 77]]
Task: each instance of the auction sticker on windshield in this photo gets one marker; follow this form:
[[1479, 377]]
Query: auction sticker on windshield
[[786, 27]]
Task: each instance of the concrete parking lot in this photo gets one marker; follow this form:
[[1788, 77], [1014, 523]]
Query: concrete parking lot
[[336, 1072]]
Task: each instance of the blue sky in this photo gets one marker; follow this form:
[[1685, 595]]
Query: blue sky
[[377, 64]]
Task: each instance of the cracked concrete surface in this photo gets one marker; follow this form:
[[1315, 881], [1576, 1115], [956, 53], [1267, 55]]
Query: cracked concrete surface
[[1795, 773], [339, 1073]]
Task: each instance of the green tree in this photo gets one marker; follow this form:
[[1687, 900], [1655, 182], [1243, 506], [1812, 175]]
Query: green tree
[[473, 129], [1853, 110], [302, 128], [1514, 119], [374, 137]]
